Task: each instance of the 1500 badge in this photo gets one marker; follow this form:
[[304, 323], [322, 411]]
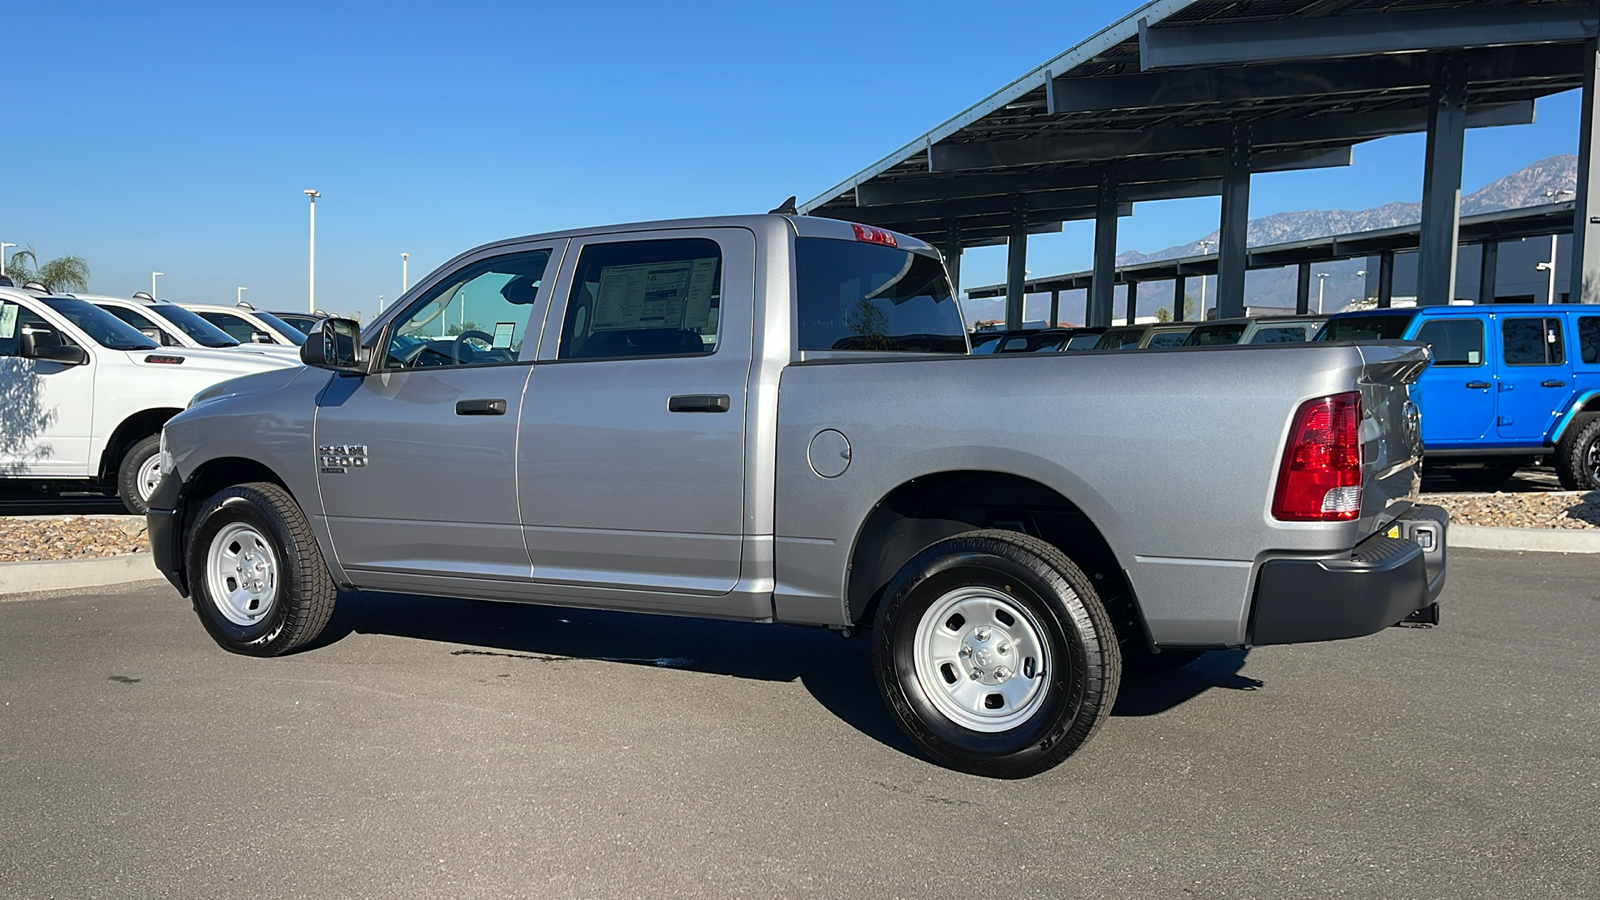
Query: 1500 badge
[[336, 459]]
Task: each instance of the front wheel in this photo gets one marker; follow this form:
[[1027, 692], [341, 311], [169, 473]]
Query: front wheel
[[138, 474], [995, 654], [1578, 454], [257, 577]]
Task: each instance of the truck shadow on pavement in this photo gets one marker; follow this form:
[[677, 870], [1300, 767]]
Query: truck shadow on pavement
[[836, 672]]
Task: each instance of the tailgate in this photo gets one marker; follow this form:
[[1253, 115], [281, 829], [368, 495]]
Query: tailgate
[[1391, 433]]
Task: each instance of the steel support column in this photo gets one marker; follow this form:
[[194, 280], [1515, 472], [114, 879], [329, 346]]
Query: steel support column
[[1231, 239], [1016, 267], [1102, 287], [1133, 301], [1488, 271], [1441, 183], [1177, 298], [1055, 308], [1302, 290], [1385, 278], [952, 258], [1585, 284]]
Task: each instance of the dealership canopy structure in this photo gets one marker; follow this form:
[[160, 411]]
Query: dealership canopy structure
[[1186, 98], [1487, 230]]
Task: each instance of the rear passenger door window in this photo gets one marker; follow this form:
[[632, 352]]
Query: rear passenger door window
[[1457, 343], [644, 299]]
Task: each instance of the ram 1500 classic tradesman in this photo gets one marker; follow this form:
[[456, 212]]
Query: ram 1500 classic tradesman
[[776, 419]]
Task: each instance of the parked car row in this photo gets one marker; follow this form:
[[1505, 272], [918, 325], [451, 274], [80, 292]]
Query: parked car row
[[1151, 336], [86, 384]]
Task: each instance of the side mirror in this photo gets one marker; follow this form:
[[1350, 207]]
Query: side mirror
[[153, 334], [260, 337], [334, 344], [66, 354]]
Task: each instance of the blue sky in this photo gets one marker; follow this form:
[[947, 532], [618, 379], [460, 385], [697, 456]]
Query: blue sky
[[178, 136]]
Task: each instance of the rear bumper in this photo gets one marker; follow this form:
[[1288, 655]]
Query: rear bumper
[[1378, 584], [166, 538]]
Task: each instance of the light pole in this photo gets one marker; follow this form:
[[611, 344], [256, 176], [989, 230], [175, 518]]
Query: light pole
[[3, 246], [311, 293], [1550, 267], [403, 280], [1362, 274], [1200, 315], [1322, 281], [153, 283]]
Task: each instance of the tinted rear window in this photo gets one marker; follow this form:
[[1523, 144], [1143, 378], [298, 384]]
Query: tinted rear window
[[1290, 334], [1365, 328], [855, 296], [1208, 335], [1119, 339]]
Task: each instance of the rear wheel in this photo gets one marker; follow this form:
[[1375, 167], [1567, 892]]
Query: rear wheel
[[258, 580], [1578, 454], [995, 654], [139, 473], [1485, 478]]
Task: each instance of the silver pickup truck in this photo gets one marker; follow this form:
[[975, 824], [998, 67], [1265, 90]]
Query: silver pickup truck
[[776, 419]]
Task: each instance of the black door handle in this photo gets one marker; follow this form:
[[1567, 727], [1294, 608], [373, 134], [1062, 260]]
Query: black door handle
[[1479, 385], [480, 407], [699, 403], [1552, 384]]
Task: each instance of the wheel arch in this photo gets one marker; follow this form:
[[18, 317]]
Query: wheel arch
[[1586, 402], [931, 507], [212, 476], [128, 432]]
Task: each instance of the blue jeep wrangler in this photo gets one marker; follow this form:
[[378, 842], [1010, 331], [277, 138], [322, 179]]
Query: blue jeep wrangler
[[1510, 385]]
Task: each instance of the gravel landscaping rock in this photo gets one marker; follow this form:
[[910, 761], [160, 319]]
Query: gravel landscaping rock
[[75, 537], [1554, 509]]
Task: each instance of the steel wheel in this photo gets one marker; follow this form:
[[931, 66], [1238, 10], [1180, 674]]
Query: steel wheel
[[148, 477], [242, 574], [981, 659]]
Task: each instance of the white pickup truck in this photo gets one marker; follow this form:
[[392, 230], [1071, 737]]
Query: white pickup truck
[[83, 395]]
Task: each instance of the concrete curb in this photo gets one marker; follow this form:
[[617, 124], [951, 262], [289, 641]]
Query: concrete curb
[[105, 571], [1539, 540], [69, 574]]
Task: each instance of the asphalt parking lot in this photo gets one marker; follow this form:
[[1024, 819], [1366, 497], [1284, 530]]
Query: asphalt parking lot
[[451, 748]]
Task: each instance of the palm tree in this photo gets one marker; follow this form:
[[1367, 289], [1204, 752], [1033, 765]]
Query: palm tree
[[65, 273]]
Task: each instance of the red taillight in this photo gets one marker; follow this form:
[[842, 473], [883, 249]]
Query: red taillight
[[1320, 477], [874, 235]]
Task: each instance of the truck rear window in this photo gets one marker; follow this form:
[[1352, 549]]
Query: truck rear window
[[855, 296]]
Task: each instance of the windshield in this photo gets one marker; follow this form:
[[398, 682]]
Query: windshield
[[859, 296], [199, 330], [290, 333], [1211, 335], [1365, 328], [102, 327]]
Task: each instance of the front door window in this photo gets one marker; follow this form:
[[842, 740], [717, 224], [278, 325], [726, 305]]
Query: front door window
[[478, 316]]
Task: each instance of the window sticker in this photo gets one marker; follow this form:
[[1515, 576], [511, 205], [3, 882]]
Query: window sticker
[[674, 294], [1474, 357], [502, 334], [8, 320]]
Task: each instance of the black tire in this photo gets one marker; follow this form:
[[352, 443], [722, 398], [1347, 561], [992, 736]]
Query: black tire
[[302, 601], [128, 474], [1484, 479], [1061, 605], [1578, 454]]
